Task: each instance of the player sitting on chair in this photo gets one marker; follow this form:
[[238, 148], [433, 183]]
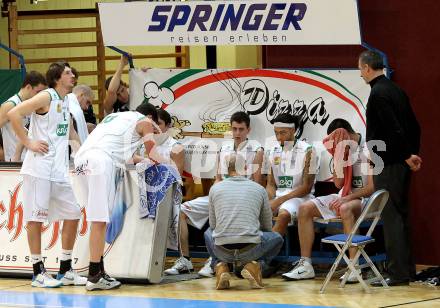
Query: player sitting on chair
[[195, 212], [351, 169], [293, 166]]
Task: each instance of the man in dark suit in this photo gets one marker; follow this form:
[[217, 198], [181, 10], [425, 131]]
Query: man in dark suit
[[391, 119]]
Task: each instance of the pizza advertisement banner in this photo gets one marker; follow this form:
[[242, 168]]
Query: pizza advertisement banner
[[201, 102]]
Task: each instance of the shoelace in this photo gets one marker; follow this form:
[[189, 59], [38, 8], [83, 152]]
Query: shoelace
[[180, 263], [298, 263], [47, 275], [107, 276]]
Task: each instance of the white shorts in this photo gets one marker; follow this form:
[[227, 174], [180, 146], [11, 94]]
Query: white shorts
[[45, 200], [96, 176], [197, 211], [323, 205], [293, 204]]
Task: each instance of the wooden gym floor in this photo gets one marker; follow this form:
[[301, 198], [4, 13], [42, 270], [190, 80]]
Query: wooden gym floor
[[201, 293]]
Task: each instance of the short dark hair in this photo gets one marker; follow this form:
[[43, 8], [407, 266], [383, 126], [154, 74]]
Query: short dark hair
[[54, 72], [339, 123], [372, 58], [148, 109], [287, 118], [75, 72], [241, 117], [164, 116], [34, 78], [109, 79], [107, 82]]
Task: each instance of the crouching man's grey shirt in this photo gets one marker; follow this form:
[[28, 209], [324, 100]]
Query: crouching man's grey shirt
[[238, 211]]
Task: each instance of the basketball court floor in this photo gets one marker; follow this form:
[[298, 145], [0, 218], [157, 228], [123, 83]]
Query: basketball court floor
[[201, 293]]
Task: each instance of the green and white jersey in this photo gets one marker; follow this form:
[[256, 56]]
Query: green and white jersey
[[53, 128], [247, 149], [288, 165], [116, 136], [10, 139], [360, 167]]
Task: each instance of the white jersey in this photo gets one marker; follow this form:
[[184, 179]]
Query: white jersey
[[10, 139], [78, 115], [53, 128], [247, 149], [360, 167], [164, 149], [288, 166], [116, 136]]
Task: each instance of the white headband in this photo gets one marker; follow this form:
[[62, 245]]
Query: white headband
[[286, 125]]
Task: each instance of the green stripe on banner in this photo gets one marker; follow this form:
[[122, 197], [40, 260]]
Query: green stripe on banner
[[185, 74], [335, 81], [10, 81]]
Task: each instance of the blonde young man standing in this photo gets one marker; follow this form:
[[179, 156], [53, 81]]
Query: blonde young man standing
[[80, 100]]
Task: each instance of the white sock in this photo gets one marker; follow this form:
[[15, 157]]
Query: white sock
[[36, 259], [66, 255], [307, 259], [357, 262]]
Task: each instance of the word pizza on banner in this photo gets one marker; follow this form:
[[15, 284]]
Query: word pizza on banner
[[306, 22], [316, 97]]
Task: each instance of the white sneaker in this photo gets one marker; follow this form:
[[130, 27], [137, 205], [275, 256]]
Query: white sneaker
[[45, 280], [104, 283], [182, 265], [71, 277], [301, 270], [206, 270], [352, 278]]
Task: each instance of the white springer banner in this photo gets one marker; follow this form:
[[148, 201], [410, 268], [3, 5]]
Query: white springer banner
[[201, 103], [294, 22]]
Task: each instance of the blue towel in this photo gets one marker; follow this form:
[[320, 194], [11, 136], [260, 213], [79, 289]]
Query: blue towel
[[120, 207], [154, 182]]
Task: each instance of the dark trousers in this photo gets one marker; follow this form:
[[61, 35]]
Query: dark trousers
[[395, 179]]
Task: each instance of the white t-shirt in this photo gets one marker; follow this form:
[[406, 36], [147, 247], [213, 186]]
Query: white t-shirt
[[78, 115], [164, 149], [247, 149]]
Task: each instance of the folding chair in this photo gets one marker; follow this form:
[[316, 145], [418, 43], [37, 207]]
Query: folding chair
[[343, 242]]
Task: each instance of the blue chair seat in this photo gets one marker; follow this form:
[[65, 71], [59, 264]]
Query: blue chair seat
[[343, 238]]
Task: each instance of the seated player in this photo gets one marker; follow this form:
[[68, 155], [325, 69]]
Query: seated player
[[351, 166], [293, 166]]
